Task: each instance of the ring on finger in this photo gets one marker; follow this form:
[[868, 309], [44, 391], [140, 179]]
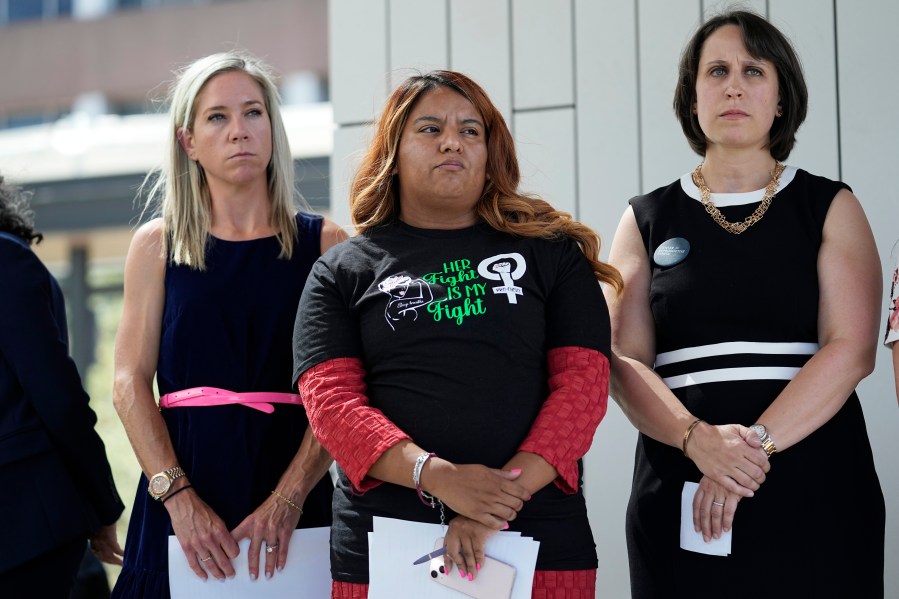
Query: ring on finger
[[207, 558], [718, 503], [270, 548]]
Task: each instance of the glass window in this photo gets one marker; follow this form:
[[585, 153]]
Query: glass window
[[24, 120], [25, 10]]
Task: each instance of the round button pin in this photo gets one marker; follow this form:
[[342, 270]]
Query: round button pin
[[671, 252]]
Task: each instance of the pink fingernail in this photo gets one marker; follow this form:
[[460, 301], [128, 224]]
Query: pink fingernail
[[461, 573], [506, 526], [470, 577], [478, 566], [516, 470]]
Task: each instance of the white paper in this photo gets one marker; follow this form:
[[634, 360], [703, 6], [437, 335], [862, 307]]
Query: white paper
[[692, 540], [306, 574], [395, 544]]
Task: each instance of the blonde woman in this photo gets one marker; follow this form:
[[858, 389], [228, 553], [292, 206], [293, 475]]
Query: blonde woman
[[211, 289]]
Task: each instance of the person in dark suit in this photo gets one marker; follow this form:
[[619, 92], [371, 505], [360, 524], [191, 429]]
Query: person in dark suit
[[58, 487]]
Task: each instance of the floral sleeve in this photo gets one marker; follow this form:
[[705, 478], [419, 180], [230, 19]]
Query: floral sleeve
[[892, 333]]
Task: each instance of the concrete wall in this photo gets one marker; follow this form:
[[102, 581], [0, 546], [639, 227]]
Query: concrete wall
[[586, 86]]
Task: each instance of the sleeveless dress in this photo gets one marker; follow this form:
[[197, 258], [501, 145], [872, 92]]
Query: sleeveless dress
[[229, 327], [734, 320]]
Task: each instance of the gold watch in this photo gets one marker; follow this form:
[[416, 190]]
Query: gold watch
[[767, 442], [161, 484]]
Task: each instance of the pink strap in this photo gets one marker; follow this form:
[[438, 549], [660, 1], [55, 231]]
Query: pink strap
[[211, 396]]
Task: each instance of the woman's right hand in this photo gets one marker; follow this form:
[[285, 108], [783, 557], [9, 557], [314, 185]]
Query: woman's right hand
[[206, 541], [464, 541], [731, 455], [487, 495]]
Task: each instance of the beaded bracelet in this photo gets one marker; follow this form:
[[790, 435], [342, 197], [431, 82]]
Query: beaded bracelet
[[289, 502], [690, 432], [176, 491], [416, 478]]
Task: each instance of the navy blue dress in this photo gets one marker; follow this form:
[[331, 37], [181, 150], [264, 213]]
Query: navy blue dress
[[231, 327]]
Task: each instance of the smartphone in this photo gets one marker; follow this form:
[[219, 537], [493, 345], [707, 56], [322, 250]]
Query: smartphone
[[495, 579]]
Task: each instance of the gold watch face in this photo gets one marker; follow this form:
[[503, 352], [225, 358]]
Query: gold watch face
[[159, 485]]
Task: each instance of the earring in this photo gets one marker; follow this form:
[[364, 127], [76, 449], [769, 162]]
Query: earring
[[779, 111]]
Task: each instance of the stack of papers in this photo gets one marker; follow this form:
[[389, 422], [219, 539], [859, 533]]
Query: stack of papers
[[307, 573], [395, 544]]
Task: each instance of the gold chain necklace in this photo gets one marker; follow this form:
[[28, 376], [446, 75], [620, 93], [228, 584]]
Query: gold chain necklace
[[705, 195]]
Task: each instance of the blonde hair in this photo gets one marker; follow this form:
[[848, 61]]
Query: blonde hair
[[373, 194], [179, 192]]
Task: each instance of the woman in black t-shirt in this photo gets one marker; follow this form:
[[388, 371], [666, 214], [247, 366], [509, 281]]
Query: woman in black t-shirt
[[456, 351]]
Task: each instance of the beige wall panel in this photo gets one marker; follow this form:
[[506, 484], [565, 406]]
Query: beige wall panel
[[545, 142], [817, 147], [607, 120], [479, 47], [608, 174], [869, 129], [542, 53], [349, 144], [418, 37], [664, 28], [358, 47]]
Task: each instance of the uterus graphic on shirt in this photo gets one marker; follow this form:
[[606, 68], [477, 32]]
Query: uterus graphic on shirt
[[499, 268], [407, 295]]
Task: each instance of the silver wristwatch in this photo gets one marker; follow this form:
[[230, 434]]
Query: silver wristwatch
[[161, 484], [767, 442]]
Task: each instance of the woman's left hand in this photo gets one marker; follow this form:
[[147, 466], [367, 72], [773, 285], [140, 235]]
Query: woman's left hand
[[105, 545], [269, 527], [464, 540], [713, 509]]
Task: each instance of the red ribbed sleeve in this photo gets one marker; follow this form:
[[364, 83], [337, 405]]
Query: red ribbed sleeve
[[578, 397], [353, 432]]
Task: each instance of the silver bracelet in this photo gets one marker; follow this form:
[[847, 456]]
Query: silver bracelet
[[416, 477]]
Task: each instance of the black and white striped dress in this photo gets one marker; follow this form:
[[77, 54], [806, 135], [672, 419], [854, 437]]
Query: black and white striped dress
[[735, 320]]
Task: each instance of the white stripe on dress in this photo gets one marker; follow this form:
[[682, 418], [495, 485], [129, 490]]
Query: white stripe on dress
[[735, 347], [759, 373]]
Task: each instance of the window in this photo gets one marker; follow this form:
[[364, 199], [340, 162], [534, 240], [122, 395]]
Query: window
[[14, 11]]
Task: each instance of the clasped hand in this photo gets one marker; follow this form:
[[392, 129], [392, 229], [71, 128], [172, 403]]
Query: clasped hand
[[486, 499], [487, 495], [734, 471], [731, 455]]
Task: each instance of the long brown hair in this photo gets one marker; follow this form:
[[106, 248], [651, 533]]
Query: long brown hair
[[374, 199]]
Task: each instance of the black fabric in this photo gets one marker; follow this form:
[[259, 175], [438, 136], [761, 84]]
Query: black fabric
[[50, 575], [456, 364], [61, 485], [803, 529]]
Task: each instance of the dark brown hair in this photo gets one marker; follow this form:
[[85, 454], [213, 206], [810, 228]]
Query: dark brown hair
[[763, 41]]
